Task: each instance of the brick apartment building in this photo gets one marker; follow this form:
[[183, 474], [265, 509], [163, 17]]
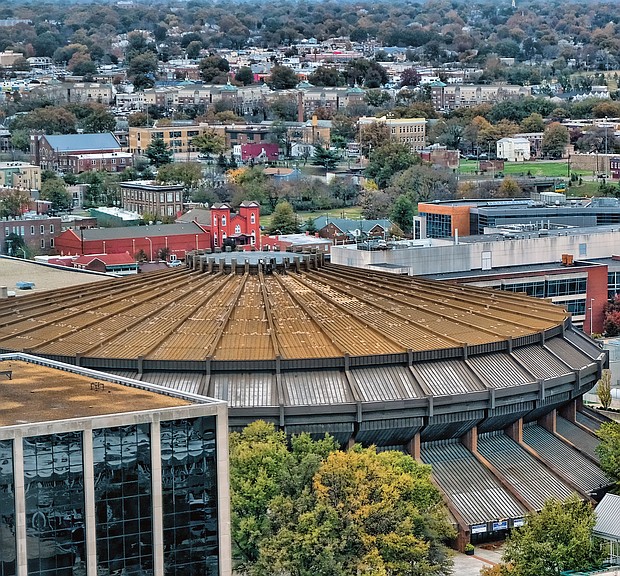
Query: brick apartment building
[[38, 231], [147, 197]]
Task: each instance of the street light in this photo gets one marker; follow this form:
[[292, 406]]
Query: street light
[[82, 228], [591, 314], [151, 244]]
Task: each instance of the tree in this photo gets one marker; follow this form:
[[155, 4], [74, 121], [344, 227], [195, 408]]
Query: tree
[[409, 77], [245, 75], [326, 76], [214, 69], [325, 157], [555, 140], [99, 120], [310, 226], [283, 108], [364, 513], [533, 123], [373, 136], [14, 245], [187, 173], [193, 49], [611, 321], [13, 203], [209, 143], [509, 188], [261, 470], [55, 191], [387, 160], [609, 449], [283, 219], [558, 538], [282, 78], [603, 389], [158, 152], [402, 213]]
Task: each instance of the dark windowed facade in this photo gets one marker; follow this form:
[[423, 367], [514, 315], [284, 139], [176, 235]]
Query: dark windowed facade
[[54, 487], [189, 494], [438, 225], [613, 284], [7, 510], [122, 465]]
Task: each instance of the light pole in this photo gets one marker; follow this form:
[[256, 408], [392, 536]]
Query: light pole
[[606, 161], [151, 245], [591, 314], [82, 228]]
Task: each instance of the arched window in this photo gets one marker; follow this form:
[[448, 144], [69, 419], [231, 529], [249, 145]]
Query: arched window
[[252, 218], [223, 220], [214, 220]]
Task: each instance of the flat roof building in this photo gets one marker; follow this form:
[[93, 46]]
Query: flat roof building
[[101, 474]]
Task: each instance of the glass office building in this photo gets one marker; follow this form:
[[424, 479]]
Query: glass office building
[[141, 493]]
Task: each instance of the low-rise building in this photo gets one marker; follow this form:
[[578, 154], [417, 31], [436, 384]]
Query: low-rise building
[[513, 149], [148, 197], [38, 231], [20, 176], [453, 96], [117, 264], [240, 229], [408, 131]]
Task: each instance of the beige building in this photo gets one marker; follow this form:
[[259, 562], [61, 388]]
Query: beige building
[[20, 175], [453, 96], [146, 197], [177, 138], [8, 58], [409, 131]]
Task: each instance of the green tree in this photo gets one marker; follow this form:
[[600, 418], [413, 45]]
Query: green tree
[[555, 140], [282, 78], [263, 469], [15, 245], [245, 75], [209, 143], [214, 69], [187, 173], [609, 449], [49, 120], [387, 160], [310, 226], [20, 139], [326, 76], [158, 152], [13, 203], [193, 49], [402, 213], [99, 120], [556, 539], [364, 513], [325, 157], [283, 219], [55, 191], [533, 123]]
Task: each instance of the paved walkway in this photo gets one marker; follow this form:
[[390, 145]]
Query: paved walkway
[[471, 565]]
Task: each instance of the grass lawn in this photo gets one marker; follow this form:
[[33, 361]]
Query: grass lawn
[[352, 212], [547, 168]]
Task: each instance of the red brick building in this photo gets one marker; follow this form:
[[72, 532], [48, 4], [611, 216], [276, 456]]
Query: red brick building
[[243, 227], [178, 239]]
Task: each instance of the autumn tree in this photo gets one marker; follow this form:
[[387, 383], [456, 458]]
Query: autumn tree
[[556, 539], [13, 203], [509, 188], [603, 389], [555, 140], [364, 513], [611, 321]]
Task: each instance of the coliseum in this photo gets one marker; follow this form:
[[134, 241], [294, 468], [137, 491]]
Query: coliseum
[[485, 386]]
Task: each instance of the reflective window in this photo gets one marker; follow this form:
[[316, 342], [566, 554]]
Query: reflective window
[[189, 490], [122, 463], [54, 486], [7, 510]]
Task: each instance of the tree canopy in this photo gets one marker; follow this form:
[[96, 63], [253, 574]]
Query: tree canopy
[[312, 509], [158, 152]]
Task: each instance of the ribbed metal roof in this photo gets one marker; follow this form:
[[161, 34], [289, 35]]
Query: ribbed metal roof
[[469, 485], [578, 437], [526, 474], [384, 383], [315, 388], [499, 370], [608, 518], [324, 313], [588, 422], [540, 362], [575, 467], [447, 377], [245, 390]]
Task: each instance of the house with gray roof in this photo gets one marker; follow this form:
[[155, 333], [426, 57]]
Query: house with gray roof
[[349, 229]]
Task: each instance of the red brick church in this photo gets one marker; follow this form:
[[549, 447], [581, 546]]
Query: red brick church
[[243, 227]]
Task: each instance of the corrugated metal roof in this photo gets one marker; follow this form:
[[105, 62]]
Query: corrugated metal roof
[[540, 362], [588, 422], [83, 142], [573, 466], [157, 230], [245, 389], [447, 377], [569, 354], [320, 387], [393, 431], [182, 381], [384, 383], [584, 343], [526, 474], [608, 518], [468, 484], [578, 437], [499, 370]]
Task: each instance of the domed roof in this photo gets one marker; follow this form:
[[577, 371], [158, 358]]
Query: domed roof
[[266, 314]]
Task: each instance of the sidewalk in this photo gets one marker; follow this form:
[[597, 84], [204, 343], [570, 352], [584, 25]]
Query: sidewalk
[[483, 557]]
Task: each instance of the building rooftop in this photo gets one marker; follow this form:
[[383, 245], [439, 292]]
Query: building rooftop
[[37, 393], [45, 276], [80, 142]]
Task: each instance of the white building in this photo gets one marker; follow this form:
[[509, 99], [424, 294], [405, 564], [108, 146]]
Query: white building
[[513, 149]]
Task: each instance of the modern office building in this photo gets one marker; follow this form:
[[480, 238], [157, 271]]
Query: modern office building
[[103, 475]]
